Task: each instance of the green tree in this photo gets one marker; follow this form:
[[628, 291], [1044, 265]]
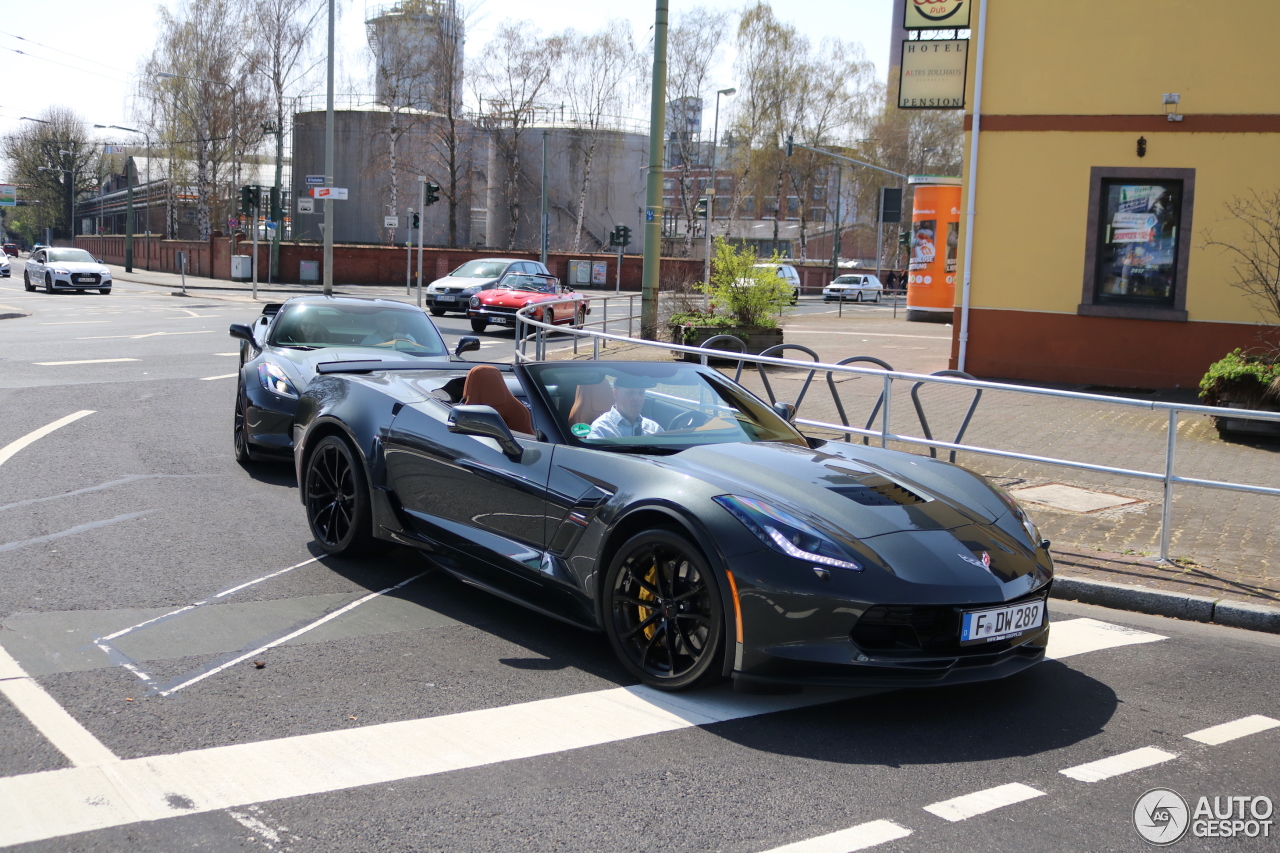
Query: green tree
[[54, 163], [744, 291]]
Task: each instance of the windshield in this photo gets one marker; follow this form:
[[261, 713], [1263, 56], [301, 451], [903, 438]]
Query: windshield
[[645, 406], [848, 279], [524, 281], [480, 269], [375, 327], [71, 256]]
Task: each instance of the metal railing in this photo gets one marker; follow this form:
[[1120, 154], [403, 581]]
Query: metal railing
[[884, 405]]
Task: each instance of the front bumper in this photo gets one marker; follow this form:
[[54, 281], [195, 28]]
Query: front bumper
[[81, 281], [493, 315], [447, 301], [804, 630]]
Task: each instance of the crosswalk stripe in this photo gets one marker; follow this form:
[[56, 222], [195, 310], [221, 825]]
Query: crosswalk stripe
[[1242, 727], [981, 802], [860, 837], [1117, 765], [1078, 636]]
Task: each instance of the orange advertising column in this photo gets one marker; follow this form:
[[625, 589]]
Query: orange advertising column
[[935, 236]]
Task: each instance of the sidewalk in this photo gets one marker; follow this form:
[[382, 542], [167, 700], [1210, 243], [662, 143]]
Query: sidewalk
[[266, 292]]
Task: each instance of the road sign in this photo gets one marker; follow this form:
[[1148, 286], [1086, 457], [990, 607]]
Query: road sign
[[335, 193], [8, 195], [306, 205], [391, 222], [233, 223], [271, 226], [315, 180]]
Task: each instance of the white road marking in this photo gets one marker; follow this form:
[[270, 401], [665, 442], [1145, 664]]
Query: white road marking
[[72, 531], [1077, 636], [82, 361], [287, 637], [981, 802], [222, 376], [226, 353], [80, 747], [858, 837], [1242, 727], [35, 435], [77, 323], [148, 335], [61, 802], [1117, 765]]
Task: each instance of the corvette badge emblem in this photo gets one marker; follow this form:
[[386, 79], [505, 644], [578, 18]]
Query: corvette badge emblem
[[984, 563]]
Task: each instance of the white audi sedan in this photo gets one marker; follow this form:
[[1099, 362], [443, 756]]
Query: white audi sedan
[[66, 269], [856, 287]]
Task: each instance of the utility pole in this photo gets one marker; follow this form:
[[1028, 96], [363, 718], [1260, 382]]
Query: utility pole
[[711, 188], [835, 239], [653, 193], [328, 166], [546, 225], [422, 207]]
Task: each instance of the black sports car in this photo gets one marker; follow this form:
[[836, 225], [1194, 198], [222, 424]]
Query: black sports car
[[280, 352], [681, 515]]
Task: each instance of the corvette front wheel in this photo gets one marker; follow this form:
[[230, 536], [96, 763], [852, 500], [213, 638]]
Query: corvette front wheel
[[337, 498], [663, 612]]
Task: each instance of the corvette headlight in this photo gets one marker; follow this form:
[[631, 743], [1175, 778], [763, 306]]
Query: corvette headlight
[[1018, 513], [787, 534], [274, 380]]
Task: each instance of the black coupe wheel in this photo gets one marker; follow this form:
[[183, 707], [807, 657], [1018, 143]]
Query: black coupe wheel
[[662, 611], [337, 499], [239, 435], [479, 326]]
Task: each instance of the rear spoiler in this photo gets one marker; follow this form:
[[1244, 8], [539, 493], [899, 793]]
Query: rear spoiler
[[272, 308]]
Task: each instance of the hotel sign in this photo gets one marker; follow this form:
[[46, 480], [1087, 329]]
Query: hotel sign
[[933, 74], [937, 15]]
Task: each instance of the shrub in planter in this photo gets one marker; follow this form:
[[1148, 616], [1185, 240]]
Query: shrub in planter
[[1243, 381]]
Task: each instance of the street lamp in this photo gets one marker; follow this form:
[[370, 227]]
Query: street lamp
[[235, 138], [711, 188], [128, 219]]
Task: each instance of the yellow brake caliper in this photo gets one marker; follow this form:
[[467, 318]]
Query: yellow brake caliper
[[645, 595]]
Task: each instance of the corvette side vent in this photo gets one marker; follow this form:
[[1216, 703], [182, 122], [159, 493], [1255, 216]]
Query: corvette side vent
[[877, 491]]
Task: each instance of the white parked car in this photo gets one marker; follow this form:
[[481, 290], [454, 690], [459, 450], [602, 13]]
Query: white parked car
[[66, 269], [5, 270], [858, 287], [789, 273], [454, 291]]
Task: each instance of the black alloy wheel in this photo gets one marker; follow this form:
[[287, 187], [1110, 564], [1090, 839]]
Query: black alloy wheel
[[105, 291], [337, 498], [48, 283], [239, 432], [479, 324], [662, 611]]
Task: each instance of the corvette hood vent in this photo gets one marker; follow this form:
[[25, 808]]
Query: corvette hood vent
[[878, 491]]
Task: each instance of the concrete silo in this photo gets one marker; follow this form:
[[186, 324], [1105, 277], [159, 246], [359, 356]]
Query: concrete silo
[[418, 48]]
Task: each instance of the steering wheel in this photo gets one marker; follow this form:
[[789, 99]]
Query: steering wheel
[[687, 420]]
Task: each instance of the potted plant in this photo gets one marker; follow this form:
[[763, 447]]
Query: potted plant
[[743, 300], [1243, 381]]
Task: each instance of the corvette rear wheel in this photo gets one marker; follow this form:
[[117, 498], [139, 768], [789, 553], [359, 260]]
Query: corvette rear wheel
[[662, 611], [337, 498]]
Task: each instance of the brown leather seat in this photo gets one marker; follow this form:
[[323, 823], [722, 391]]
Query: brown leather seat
[[590, 402], [486, 387]]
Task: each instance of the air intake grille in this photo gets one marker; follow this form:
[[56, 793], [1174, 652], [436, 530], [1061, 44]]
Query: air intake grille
[[877, 491]]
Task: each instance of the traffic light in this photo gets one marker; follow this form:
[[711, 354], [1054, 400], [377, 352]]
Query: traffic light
[[248, 200], [904, 239], [275, 203], [415, 220], [700, 212], [624, 235], [433, 193], [791, 145]]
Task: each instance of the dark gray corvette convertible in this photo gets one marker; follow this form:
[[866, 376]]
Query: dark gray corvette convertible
[[686, 519]]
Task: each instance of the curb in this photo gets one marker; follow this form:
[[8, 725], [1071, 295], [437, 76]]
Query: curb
[[1195, 608]]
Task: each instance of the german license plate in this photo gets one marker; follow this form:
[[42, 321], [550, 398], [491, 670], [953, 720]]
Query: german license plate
[[505, 321], [84, 278], [446, 297], [1001, 623]]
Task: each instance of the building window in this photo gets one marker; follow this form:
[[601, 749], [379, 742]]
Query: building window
[[817, 214], [722, 206], [668, 184], [771, 205], [724, 185], [749, 206], [1138, 243], [819, 193], [793, 207]]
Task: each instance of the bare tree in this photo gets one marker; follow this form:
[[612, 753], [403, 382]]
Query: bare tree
[[1255, 254], [693, 46], [510, 79], [598, 86], [55, 162], [446, 131]]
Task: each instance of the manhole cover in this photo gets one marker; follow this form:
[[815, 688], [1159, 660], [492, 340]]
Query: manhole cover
[[1071, 498]]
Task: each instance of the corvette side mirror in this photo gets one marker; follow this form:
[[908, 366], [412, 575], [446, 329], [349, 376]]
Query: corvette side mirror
[[470, 343], [241, 331], [786, 411], [485, 421]]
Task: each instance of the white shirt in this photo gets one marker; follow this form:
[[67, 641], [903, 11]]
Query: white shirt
[[612, 424]]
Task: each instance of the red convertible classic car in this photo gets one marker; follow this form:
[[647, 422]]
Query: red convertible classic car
[[515, 291]]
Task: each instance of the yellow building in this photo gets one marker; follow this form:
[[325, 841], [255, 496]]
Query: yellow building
[[1111, 137]]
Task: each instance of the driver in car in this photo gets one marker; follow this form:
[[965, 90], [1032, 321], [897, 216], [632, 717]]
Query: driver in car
[[389, 328], [624, 419]]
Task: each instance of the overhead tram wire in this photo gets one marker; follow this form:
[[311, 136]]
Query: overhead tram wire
[[66, 52], [65, 65]]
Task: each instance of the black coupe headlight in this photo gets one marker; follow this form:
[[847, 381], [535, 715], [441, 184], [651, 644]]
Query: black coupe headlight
[[275, 381], [1018, 512], [787, 534]]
